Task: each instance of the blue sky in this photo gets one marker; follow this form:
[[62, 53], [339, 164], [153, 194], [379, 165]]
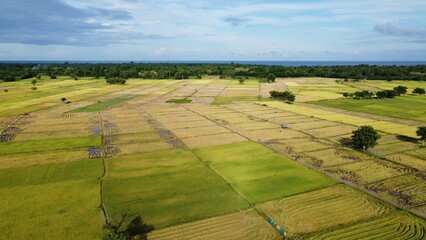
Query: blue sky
[[213, 30]]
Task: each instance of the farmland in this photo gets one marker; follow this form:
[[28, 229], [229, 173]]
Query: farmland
[[215, 166]]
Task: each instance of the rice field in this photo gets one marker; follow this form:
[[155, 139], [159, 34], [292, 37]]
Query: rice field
[[392, 226], [256, 172], [322, 209], [200, 171], [364, 172], [392, 128], [385, 107], [166, 188], [408, 189], [242, 225]]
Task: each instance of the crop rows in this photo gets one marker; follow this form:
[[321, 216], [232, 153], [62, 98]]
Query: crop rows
[[409, 190], [394, 226], [245, 225], [322, 209]]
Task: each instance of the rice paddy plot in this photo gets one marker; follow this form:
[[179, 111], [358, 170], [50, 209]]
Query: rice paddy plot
[[408, 190], [331, 131], [189, 124], [145, 147], [173, 119], [42, 157], [246, 225], [333, 156], [167, 188], [313, 125], [222, 100], [48, 173], [397, 225], [254, 125], [200, 131], [275, 133], [322, 209], [213, 140], [300, 145], [49, 144], [293, 119], [260, 174], [61, 210], [398, 129], [56, 127], [408, 160], [24, 136], [393, 148], [406, 107], [140, 137], [420, 153], [365, 172]]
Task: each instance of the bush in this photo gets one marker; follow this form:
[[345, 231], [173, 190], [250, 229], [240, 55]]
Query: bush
[[120, 81], [287, 96], [419, 91], [386, 94], [400, 90]]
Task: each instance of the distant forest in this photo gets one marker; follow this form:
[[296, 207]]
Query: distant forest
[[19, 71]]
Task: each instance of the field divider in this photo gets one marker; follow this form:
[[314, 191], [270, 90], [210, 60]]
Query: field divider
[[348, 183], [102, 205]]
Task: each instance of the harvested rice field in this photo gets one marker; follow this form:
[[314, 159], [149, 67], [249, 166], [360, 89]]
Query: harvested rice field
[[322, 209], [215, 168]]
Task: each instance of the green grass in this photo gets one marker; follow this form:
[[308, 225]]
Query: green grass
[[62, 210], [107, 104], [167, 188], [259, 173], [220, 100], [48, 173], [49, 144], [184, 100], [406, 107]]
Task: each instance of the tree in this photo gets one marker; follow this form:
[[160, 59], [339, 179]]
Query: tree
[[286, 96], [34, 88], [364, 94], [419, 91], [33, 82], [116, 81], [386, 94], [421, 132], [345, 94], [241, 81], [136, 229], [400, 90], [365, 137], [271, 77], [381, 94]]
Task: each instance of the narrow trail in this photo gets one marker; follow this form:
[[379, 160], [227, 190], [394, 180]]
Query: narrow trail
[[102, 132]]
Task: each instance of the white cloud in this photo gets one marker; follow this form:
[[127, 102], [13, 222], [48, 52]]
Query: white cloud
[[160, 51]]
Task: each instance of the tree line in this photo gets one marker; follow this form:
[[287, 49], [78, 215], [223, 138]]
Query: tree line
[[396, 91], [18, 71]]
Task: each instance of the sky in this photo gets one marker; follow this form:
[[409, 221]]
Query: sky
[[205, 30]]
